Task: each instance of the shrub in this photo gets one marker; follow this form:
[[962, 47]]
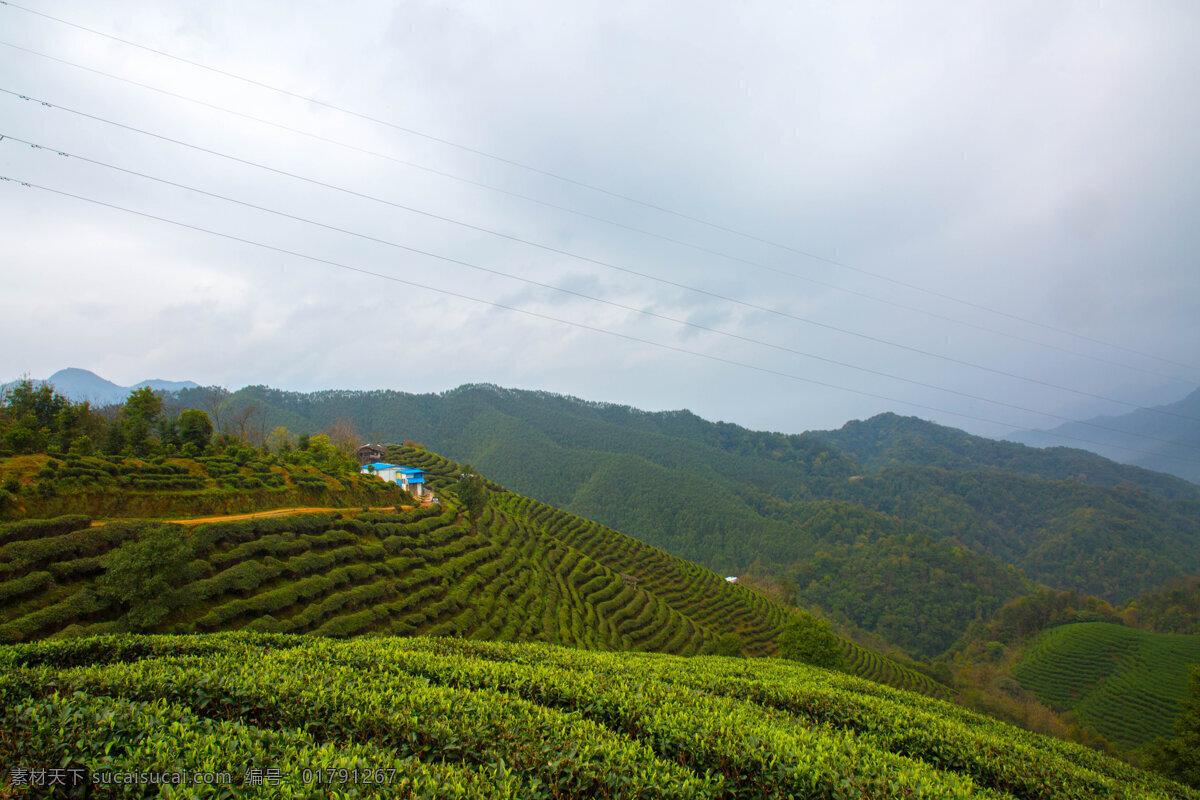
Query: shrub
[[730, 644], [808, 639], [141, 575]]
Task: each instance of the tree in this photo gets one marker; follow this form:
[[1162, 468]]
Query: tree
[[29, 416], [1179, 758], [344, 436], [214, 399], [195, 428], [141, 574], [240, 421], [280, 440], [141, 410], [730, 644], [809, 639], [472, 493]]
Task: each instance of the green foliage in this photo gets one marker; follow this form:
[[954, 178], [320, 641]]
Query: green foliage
[[41, 528], [909, 588], [462, 719], [1128, 685], [141, 410], [527, 572], [472, 493], [1179, 757], [941, 515], [1174, 608], [729, 644], [142, 574], [809, 639], [195, 428], [1023, 618], [890, 440], [232, 479]]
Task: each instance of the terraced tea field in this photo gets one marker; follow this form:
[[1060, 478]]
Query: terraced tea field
[[304, 716], [1126, 684], [125, 487], [530, 573]]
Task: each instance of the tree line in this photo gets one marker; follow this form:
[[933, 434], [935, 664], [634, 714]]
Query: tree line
[[34, 418]]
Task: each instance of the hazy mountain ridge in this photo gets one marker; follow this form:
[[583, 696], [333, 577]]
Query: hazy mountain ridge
[[889, 439], [83, 385], [1179, 425]]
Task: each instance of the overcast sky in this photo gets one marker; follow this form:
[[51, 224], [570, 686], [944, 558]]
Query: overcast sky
[[1039, 160]]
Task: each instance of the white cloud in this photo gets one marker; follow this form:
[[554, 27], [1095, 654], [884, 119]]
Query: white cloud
[[1032, 158]]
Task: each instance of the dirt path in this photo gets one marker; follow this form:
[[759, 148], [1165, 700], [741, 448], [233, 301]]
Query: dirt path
[[275, 512]]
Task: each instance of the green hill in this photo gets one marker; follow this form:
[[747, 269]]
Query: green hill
[[448, 718], [235, 480], [1126, 684], [530, 573], [892, 440], [962, 523]]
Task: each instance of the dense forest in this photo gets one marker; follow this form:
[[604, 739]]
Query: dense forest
[[963, 524]]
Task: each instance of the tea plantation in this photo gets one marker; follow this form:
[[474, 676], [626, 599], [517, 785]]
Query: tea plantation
[[238, 479], [529, 573], [1127, 684], [270, 715]]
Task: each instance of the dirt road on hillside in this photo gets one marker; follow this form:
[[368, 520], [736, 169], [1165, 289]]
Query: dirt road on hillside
[[275, 512]]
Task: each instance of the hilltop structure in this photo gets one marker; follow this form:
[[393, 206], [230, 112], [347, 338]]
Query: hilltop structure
[[370, 453], [410, 479]]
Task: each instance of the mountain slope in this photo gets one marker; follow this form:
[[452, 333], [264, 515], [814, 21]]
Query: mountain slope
[[736, 500], [891, 440], [1126, 684], [1179, 425], [530, 573]]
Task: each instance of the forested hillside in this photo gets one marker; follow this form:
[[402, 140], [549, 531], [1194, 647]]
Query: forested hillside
[[890, 440], [917, 529]]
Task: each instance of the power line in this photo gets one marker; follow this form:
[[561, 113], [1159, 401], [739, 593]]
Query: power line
[[594, 188], [603, 220], [547, 317], [615, 267], [582, 295]]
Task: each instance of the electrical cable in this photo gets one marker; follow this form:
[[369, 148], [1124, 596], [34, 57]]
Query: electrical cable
[[609, 265], [605, 221], [591, 187], [547, 317], [582, 295]]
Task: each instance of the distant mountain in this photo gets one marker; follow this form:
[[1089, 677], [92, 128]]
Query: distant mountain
[[891, 440], [1178, 423], [904, 528], [81, 384]]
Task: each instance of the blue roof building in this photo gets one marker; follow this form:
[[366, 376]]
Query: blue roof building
[[410, 479]]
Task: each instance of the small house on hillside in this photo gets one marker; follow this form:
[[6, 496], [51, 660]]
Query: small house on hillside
[[731, 578], [410, 479], [370, 453]]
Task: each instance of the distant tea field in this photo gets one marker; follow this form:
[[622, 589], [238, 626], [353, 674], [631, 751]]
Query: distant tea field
[[1127, 684]]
